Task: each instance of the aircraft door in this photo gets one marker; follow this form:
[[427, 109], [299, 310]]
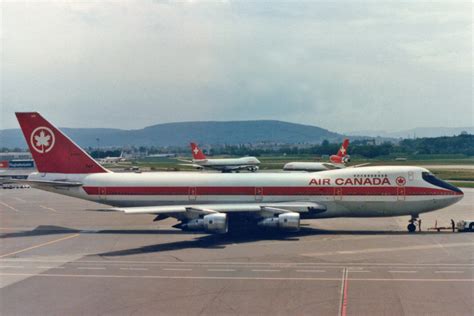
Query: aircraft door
[[192, 194], [258, 194], [401, 194], [102, 193], [338, 194]]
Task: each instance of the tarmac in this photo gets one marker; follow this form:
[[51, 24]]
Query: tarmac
[[63, 256]]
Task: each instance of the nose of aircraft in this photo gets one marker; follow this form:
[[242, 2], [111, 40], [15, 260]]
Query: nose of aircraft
[[457, 190], [457, 196], [459, 193]]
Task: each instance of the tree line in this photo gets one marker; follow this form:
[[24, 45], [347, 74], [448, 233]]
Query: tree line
[[461, 145]]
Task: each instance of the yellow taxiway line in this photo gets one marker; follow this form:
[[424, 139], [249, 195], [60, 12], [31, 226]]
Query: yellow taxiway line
[[40, 245]]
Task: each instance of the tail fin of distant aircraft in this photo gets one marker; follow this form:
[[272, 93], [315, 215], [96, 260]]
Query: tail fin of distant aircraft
[[197, 153], [52, 150], [341, 157]]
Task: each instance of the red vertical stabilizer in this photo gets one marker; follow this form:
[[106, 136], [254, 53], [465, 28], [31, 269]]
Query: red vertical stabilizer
[[197, 153], [342, 156], [52, 150]]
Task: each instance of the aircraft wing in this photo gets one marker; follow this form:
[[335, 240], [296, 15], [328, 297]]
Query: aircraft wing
[[331, 166], [360, 165], [241, 167], [183, 160], [191, 165], [225, 208]]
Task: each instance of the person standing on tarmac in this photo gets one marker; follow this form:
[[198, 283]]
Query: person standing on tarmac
[[452, 224], [419, 224]]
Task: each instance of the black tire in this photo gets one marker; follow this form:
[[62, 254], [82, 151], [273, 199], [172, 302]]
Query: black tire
[[411, 228], [471, 227]]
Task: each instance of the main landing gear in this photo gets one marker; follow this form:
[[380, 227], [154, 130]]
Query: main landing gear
[[412, 227]]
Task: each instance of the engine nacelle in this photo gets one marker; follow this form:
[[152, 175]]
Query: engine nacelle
[[194, 224], [216, 223], [339, 160], [212, 223], [253, 168], [286, 221]]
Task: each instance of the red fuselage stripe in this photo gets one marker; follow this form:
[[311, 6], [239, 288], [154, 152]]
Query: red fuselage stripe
[[267, 191]]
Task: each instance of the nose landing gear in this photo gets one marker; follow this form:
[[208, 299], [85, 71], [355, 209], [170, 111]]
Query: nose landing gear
[[412, 227]]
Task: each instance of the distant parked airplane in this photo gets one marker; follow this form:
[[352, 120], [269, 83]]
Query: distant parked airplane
[[337, 161], [107, 160], [200, 161]]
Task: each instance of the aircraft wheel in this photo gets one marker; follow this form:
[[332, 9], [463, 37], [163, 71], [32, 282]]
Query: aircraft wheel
[[411, 227]]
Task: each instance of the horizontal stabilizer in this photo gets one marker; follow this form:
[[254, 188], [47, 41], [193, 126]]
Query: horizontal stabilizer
[[50, 183]]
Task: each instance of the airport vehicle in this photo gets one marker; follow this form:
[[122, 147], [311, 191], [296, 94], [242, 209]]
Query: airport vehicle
[[337, 161], [14, 186], [200, 161], [465, 226], [211, 202]]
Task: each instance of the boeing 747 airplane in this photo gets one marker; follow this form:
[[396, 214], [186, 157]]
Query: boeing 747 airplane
[[210, 201], [200, 161]]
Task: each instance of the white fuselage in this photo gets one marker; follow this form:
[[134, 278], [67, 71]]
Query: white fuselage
[[311, 166], [354, 192]]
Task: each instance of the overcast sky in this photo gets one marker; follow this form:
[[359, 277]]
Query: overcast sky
[[348, 66]]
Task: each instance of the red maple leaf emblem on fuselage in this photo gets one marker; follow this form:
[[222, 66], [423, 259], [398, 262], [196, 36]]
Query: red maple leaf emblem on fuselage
[[401, 181]]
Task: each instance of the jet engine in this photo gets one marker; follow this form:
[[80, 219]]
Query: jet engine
[[212, 223], [287, 221], [253, 168], [338, 159]]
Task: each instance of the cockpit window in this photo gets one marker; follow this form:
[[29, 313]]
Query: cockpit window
[[430, 178]]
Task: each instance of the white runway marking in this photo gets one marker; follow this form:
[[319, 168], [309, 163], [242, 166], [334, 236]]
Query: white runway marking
[[394, 249], [265, 270], [9, 206], [311, 271], [221, 270], [176, 269], [91, 268], [177, 277], [14, 267], [449, 271], [401, 271], [343, 297], [48, 267], [359, 271], [49, 208], [313, 240], [133, 269], [242, 263]]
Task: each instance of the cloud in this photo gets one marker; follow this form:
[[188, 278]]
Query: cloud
[[343, 66]]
